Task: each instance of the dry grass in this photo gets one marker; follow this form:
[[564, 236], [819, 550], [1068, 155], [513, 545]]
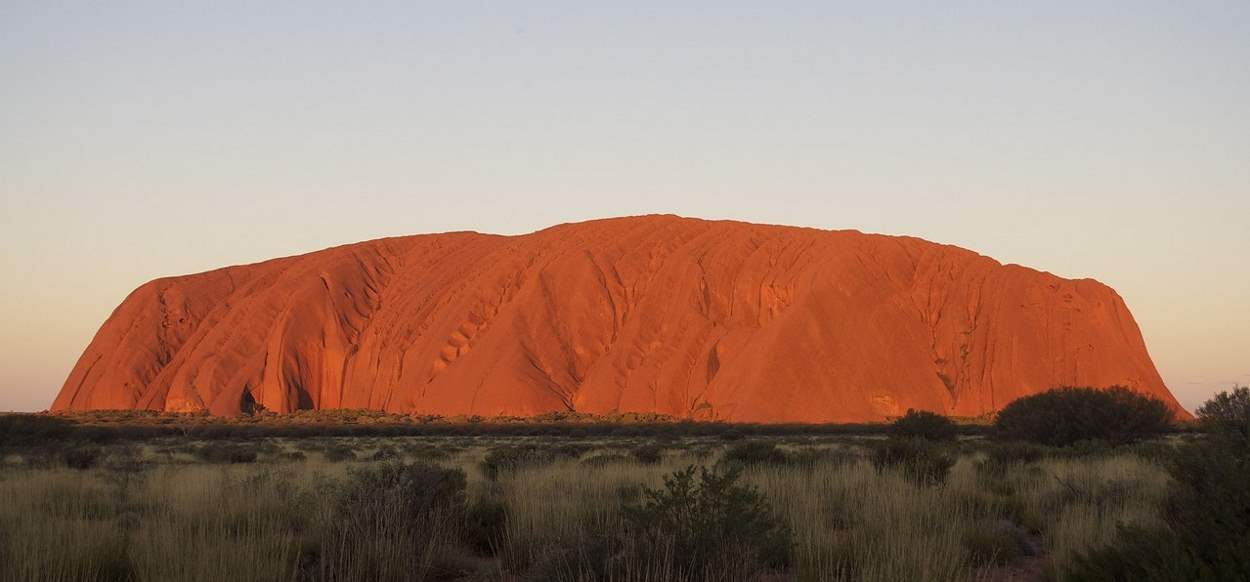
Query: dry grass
[[163, 516]]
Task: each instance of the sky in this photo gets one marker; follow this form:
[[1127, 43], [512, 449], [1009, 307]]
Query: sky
[[1090, 139]]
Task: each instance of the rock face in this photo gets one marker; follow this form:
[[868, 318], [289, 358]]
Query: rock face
[[696, 319]]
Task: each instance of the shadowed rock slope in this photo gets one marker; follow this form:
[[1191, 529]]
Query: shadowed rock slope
[[698, 319]]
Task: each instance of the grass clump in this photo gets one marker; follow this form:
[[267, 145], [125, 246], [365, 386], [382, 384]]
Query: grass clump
[[605, 459], [919, 461], [1001, 457]]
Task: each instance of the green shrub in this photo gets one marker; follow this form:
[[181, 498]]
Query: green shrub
[[924, 425], [709, 521], [82, 458], [919, 461], [751, 453], [1064, 416]]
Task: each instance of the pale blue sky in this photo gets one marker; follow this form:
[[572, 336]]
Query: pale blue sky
[[1109, 140]]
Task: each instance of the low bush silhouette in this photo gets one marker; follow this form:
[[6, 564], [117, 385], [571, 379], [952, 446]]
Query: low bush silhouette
[[24, 429], [705, 521], [514, 457], [919, 461], [924, 425], [752, 453], [995, 543], [386, 453], [1064, 416], [224, 452], [485, 521], [648, 454], [337, 453], [82, 458]]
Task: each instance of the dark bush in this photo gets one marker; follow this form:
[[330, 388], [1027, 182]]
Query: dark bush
[[412, 491], [512, 458], [1227, 412], [385, 454], [732, 434], [222, 452], [1206, 536], [337, 453], [920, 461], [709, 522], [485, 523], [294, 456], [924, 425], [82, 458], [427, 452], [752, 453], [999, 542], [24, 429], [1064, 416], [648, 454]]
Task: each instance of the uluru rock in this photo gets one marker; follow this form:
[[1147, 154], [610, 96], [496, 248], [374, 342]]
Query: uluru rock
[[685, 317]]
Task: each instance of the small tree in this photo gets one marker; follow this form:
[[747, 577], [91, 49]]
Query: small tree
[[923, 425], [710, 521], [1227, 412], [1064, 416]]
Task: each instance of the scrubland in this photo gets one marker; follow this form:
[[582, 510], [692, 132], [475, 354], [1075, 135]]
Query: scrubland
[[514, 508]]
